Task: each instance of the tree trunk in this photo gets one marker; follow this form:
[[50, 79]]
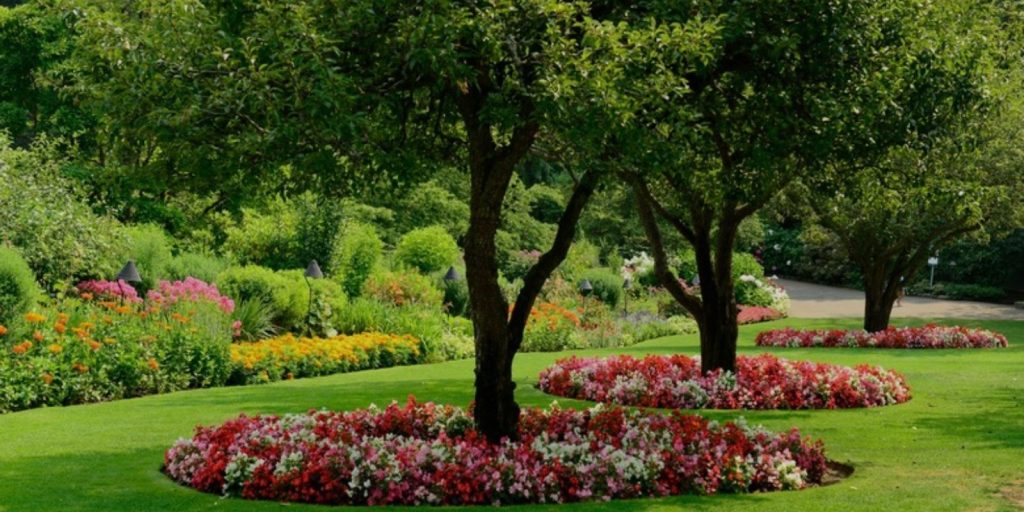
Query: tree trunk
[[496, 412], [718, 325], [879, 296], [718, 334]]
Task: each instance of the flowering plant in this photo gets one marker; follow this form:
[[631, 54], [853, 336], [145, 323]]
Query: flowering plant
[[929, 336], [424, 453], [550, 327], [752, 291], [761, 382], [287, 357], [757, 314], [191, 289], [103, 350], [108, 290]]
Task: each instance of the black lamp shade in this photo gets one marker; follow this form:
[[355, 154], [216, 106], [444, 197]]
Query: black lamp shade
[[452, 275], [586, 287], [313, 270], [129, 273], [627, 284]]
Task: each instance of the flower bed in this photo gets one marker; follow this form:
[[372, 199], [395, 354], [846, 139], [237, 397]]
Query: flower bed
[[757, 314], [761, 382], [431, 454], [929, 336], [98, 351], [287, 357]]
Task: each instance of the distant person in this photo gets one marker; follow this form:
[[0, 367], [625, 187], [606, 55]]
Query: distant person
[[900, 293]]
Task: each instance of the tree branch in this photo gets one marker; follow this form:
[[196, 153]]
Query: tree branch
[[549, 261]]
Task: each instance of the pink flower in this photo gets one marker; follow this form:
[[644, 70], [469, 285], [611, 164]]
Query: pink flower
[[929, 336], [429, 454], [191, 289], [109, 290]]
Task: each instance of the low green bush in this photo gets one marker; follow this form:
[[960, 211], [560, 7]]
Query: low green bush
[[18, 289], [428, 249], [288, 297], [607, 285], [255, 319], [150, 248], [959, 291], [200, 266], [358, 251], [742, 264], [267, 237]]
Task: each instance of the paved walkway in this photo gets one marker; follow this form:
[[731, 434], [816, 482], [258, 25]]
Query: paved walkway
[[816, 301]]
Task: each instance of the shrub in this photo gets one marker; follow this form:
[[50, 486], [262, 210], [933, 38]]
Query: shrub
[[18, 289], [456, 296], [427, 249], [432, 455], [960, 291], [429, 204], [267, 237], [742, 264], [287, 297], [582, 255], [254, 320], [108, 290], [357, 253], [149, 247], [200, 266], [328, 297], [760, 382], [757, 314], [319, 219], [60, 236], [404, 288], [607, 285]]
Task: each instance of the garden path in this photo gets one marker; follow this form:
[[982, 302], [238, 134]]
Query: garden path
[[817, 301]]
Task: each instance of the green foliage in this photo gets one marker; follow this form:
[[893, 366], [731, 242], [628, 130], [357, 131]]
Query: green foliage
[[319, 219], [267, 237], [443, 338], [742, 264], [149, 246], [328, 297], [456, 295], [430, 204], [287, 296], [357, 253], [607, 285], [49, 220], [204, 267], [257, 319], [18, 289], [960, 291], [749, 293], [582, 255], [428, 249]]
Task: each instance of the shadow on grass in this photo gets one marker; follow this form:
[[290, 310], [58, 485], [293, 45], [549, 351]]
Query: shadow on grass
[[1000, 424]]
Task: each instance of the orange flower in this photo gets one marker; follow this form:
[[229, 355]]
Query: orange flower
[[22, 347], [153, 365], [87, 296], [124, 310], [34, 318], [87, 325], [56, 349], [3, 330], [62, 318], [38, 336], [93, 344], [47, 378], [80, 368], [60, 328]]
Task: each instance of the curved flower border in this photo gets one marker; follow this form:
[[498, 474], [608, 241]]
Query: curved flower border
[[424, 453], [929, 336], [761, 382]]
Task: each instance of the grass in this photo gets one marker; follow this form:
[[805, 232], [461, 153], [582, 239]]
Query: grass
[[957, 445]]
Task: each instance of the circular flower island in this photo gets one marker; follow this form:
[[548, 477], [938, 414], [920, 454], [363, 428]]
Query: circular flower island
[[423, 453], [761, 382]]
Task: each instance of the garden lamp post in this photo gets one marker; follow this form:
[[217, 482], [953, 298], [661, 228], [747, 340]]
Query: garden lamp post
[[452, 275], [128, 274], [312, 272], [585, 289]]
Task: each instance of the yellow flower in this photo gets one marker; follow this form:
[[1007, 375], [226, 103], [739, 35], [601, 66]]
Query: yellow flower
[[56, 349], [34, 318]]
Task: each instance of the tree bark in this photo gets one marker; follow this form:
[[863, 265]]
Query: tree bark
[[879, 296]]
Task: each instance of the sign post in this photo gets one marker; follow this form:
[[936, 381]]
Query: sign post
[[932, 262]]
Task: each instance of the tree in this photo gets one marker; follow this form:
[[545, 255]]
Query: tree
[[235, 96], [789, 87]]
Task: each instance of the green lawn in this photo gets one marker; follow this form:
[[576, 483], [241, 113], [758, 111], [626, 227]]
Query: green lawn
[[957, 445]]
